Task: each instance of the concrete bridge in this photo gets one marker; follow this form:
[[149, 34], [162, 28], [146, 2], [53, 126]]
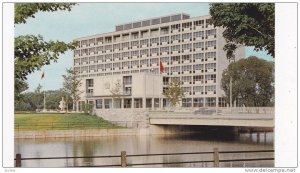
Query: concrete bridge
[[258, 117]]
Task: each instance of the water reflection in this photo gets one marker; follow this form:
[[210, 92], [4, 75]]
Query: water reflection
[[95, 146]]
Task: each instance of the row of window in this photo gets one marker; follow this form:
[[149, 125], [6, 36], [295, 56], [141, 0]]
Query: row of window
[[145, 34], [209, 67], [186, 102], [179, 58], [198, 46]]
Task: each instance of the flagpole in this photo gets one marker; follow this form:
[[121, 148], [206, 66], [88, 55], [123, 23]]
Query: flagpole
[[43, 75]]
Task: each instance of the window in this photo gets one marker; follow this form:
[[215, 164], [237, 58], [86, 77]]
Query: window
[[84, 42], [186, 89], [100, 66], [210, 55], [77, 52], [77, 69], [199, 34], [199, 45], [84, 51], [210, 66], [175, 48], [125, 54], [211, 43], [99, 104], [154, 40], [211, 32], [107, 103], [117, 55], [210, 101], [187, 36], [144, 62], [117, 64], [164, 39], [99, 40], [85, 60], [153, 50], [198, 67], [91, 41], [145, 71], [175, 59], [210, 88], [108, 57], [93, 67], [100, 48], [199, 23], [198, 102], [198, 89], [108, 47], [210, 77], [175, 37], [175, 27], [117, 46], [127, 80], [144, 42], [135, 53], [175, 69], [135, 71], [164, 49], [92, 50], [186, 78], [187, 58], [90, 83], [108, 66], [135, 43], [199, 56], [186, 68], [135, 35], [187, 102], [198, 78], [144, 51], [187, 25], [76, 61], [91, 59], [186, 47], [100, 58], [126, 64], [165, 59], [154, 61], [135, 63], [125, 45]]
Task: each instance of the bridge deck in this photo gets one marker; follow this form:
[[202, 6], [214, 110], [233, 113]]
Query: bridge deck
[[249, 120]]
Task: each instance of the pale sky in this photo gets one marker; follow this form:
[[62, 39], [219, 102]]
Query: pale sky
[[94, 18]]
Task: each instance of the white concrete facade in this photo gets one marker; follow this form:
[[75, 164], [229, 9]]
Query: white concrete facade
[[190, 50]]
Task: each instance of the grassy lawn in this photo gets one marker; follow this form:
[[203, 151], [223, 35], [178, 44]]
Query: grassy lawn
[[35, 121]]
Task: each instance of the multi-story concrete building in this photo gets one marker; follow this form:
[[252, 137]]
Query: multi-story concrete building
[[129, 58]]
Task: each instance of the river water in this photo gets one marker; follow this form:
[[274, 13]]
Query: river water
[[97, 146]]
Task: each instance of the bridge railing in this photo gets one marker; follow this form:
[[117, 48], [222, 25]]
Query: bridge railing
[[219, 110], [217, 158]]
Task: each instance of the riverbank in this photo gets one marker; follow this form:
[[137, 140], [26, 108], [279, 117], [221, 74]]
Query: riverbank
[[59, 121]]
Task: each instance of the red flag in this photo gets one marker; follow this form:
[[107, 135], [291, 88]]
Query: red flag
[[43, 75], [161, 67]]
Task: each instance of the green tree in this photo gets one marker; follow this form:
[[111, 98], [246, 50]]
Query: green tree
[[37, 97], [32, 52], [252, 82], [116, 93], [249, 24], [173, 92], [71, 87], [20, 86]]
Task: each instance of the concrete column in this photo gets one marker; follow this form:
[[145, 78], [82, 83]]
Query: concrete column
[[132, 102], [122, 103], [144, 102], [77, 106], [152, 103], [112, 103], [161, 103]]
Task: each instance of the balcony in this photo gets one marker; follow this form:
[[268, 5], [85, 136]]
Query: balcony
[[89, 95]]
